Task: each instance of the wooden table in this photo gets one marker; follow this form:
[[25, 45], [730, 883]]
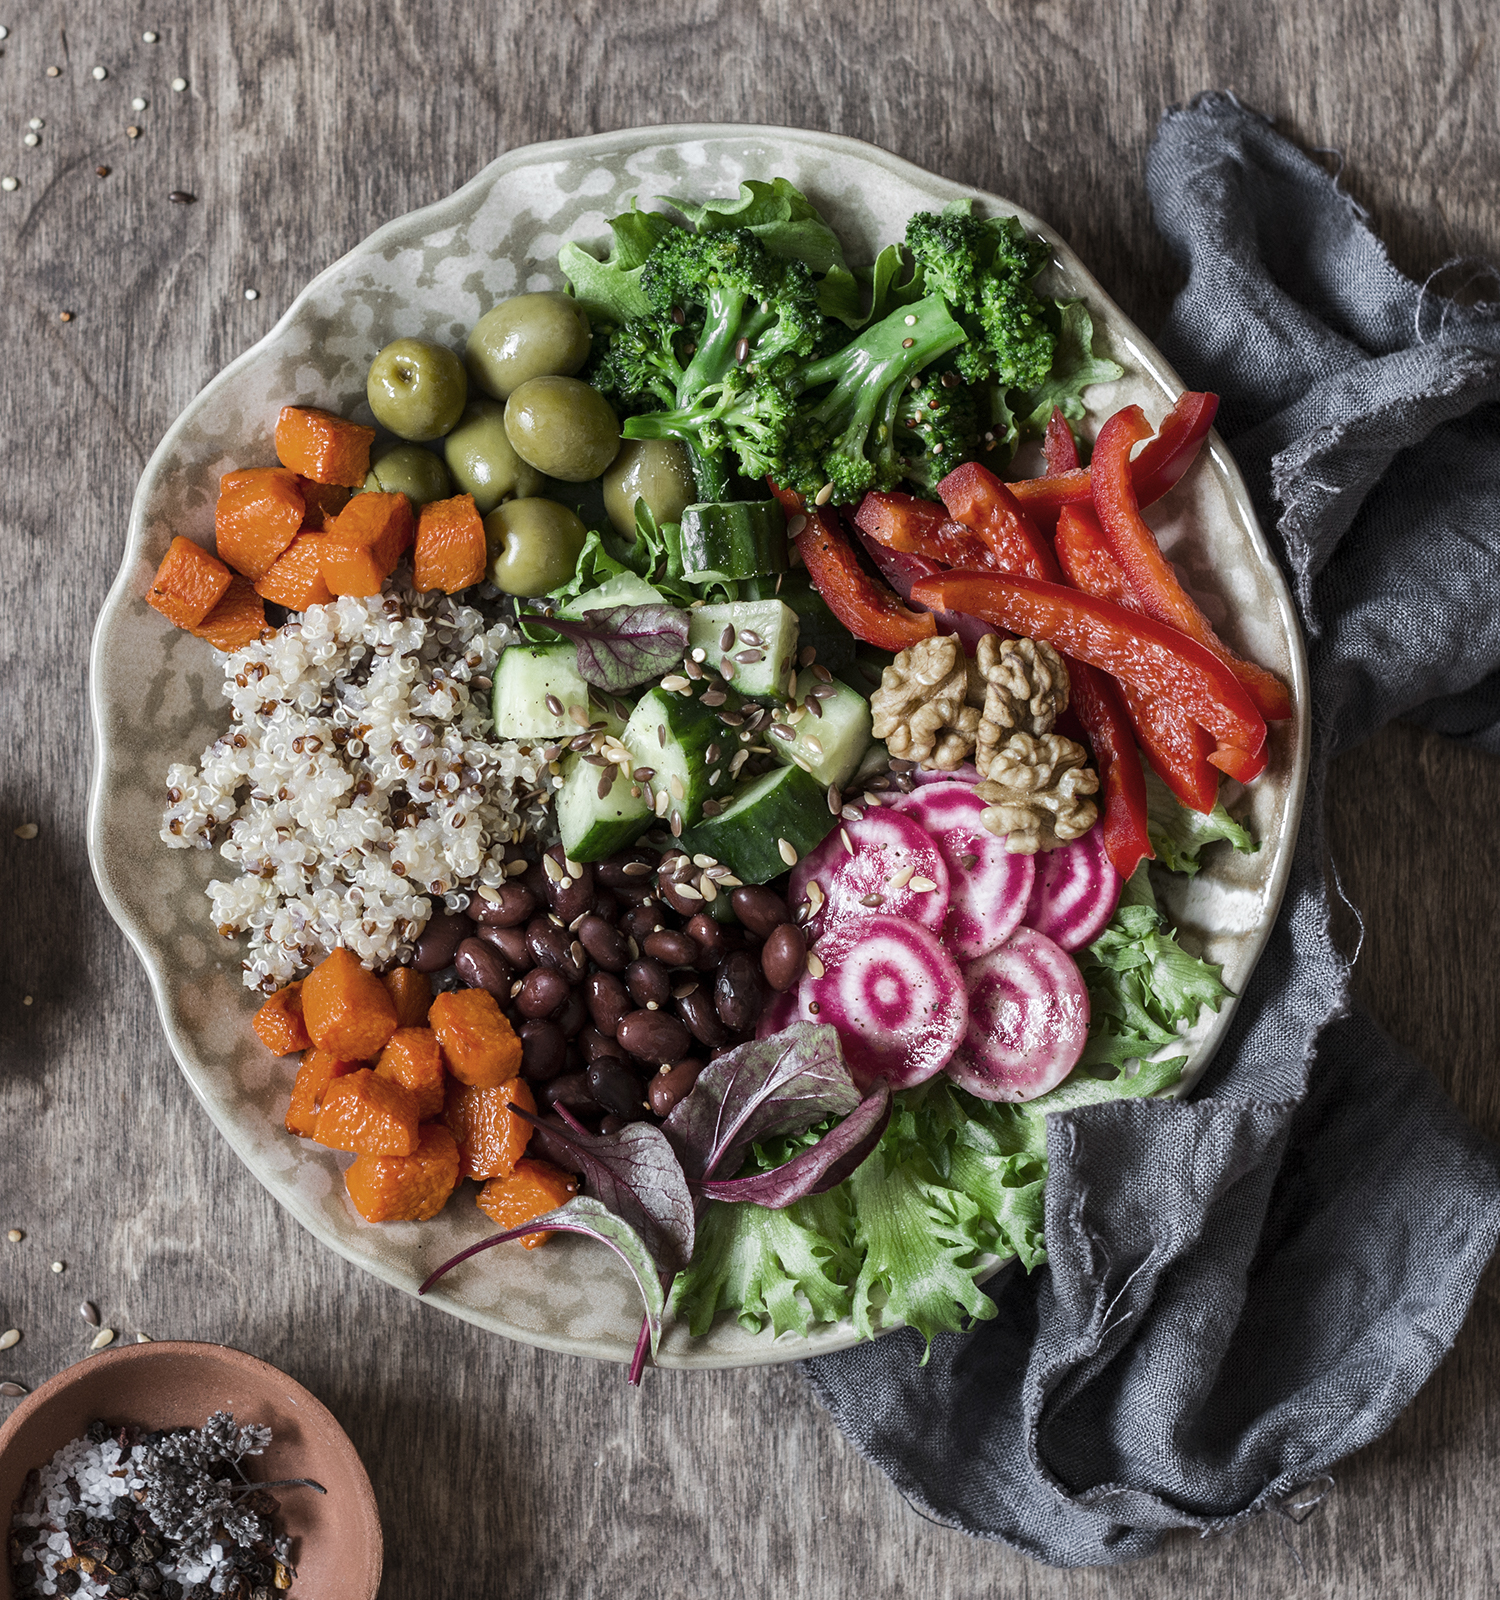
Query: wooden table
[[501, 1470]]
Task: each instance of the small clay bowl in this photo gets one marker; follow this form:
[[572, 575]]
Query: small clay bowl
[[336, 1539]]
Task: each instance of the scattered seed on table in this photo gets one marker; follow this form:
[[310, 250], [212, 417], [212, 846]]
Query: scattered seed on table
[[137, 104], [11, 1389], [9, 1337], [4, 33], [180, 197], [27, 830], [179, 84], [15, 1236], [64, 316], [10, 185], [150, 38], [37, 123], [132, 132], [100, 74], [143, 1338], [102, 172], [103, 1337], [31, 140], [89, 1313], [57, 1266], [53, 72], [252, 294], [26, 1000]]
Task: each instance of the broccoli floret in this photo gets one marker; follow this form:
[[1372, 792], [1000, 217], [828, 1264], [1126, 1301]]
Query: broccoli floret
[[637, 365], [984, 268], [740, 416], [939, 426]]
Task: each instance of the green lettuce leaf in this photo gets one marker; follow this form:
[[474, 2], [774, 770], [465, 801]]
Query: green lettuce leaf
[[610, 290], [1178, 834], [1075, 368]]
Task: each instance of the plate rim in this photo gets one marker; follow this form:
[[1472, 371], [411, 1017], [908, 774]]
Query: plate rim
[[427, 219]]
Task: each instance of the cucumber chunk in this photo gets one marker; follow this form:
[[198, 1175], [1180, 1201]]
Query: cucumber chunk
[[819, 629], [867, 670], [729, 539], [525, 676], [832, 746], [594, 826], [785, 805], [773, 630], [624, 589], [672, 734]]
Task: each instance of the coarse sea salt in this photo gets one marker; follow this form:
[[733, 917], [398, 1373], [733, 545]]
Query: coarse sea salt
[[360, 785]]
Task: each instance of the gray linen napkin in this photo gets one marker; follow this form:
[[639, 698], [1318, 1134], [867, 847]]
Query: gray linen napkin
[[1245, 1287]]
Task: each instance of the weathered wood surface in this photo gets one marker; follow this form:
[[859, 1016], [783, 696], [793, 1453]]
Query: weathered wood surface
[[500, 1470]]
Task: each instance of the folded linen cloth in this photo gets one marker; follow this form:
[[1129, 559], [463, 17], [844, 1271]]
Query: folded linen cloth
[[1245, 1287]]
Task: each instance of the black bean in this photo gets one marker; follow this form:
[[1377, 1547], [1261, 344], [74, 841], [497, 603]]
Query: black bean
[[641, 920], [670, 948], [510, 942], [673, 893], [542, 992], [608, 1001], [604, 942], [655, 1036], [439, 940], [713, 946], [648, 982], [605, 904], [481, 967], [699, 1012], [544, 1051], [738, 994], [616, 1087], [572, 1015], [551, 947], [783, 957], [570, 896], [593, 1044], [513, 903], [612, 1124], [571, 1090], [535, 879], [759, 908], [666, 1088], [616, 873]]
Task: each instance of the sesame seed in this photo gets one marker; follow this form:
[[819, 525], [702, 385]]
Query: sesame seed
[[100, 74], [31, 140], [899, 880], [143, 1338], [815, 969], [53, 72], [786, 852], [909, 320], [57, 1266], [15, 1236], [4, 33], [252, 294], [178, 85], [824, 495], [64, 316], [922, 886], [103, 1337], [844, 836], [36, 122], [149, 38]]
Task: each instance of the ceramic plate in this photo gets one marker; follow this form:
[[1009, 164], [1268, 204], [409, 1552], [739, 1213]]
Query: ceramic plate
[[155, 691]]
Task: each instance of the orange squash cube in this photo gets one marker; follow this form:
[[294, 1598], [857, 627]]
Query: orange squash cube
[[188, 584], [531, 1189], [322, 502], [368, 1115], [322, 446], [346, 1008], [279, 1022], [238, 619], [364, 542], [410, 1188], [411, 994], [295, 579], [450, 552], [480, 1048], [490, 1135], [258, 515], [413, 1059], [317, 1071]]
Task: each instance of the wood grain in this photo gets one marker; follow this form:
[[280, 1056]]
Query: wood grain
[[500, 1470]]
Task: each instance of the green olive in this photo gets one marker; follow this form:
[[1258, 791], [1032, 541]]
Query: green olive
[[563, 428], [410, 470], [654, 470], [533, 545], [528, 337], [484, 462], [417, 390]]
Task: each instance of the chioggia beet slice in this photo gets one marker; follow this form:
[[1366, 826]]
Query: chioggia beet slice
[[889, 866], [1028, 1020], [1075, 893], [895, 995], [988, 887], [965, 772]]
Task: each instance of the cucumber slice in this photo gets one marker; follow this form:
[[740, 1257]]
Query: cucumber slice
[[672, 734], [820, 629], [773, 629], [525, 676], [594, 826], [624, 589], [729, 539], [785, 805], [875, 760], [832, 746]]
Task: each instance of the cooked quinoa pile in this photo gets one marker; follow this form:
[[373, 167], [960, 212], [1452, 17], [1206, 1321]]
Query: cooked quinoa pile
[[359, 782]]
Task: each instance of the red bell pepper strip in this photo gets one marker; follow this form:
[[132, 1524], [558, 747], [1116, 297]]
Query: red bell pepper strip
[[1147, 570], [865, 606], [921, 527], [975, 497], [1137, 649], [1153, 471], [1177, 748], [1097, 703], [1058, 445], [902, 569]]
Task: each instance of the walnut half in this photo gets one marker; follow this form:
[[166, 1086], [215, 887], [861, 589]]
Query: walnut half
[[1036, 792], [919, 708], [1026, 691]]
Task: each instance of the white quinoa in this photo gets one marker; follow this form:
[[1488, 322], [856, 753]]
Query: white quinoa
[[360, 781]]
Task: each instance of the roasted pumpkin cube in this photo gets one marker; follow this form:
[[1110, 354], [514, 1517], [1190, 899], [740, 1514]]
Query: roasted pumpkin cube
[[411, 994], [412, 1058], [279, 1022], [322, 446], [490, 1135], [346, 1008], [259, 513], [369, 1115], [531, 1189], [317, 1071], [410, 1188], [480, 1048], [188, 584]]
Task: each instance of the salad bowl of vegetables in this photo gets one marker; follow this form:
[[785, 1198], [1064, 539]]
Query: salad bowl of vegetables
[[858, 404]]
